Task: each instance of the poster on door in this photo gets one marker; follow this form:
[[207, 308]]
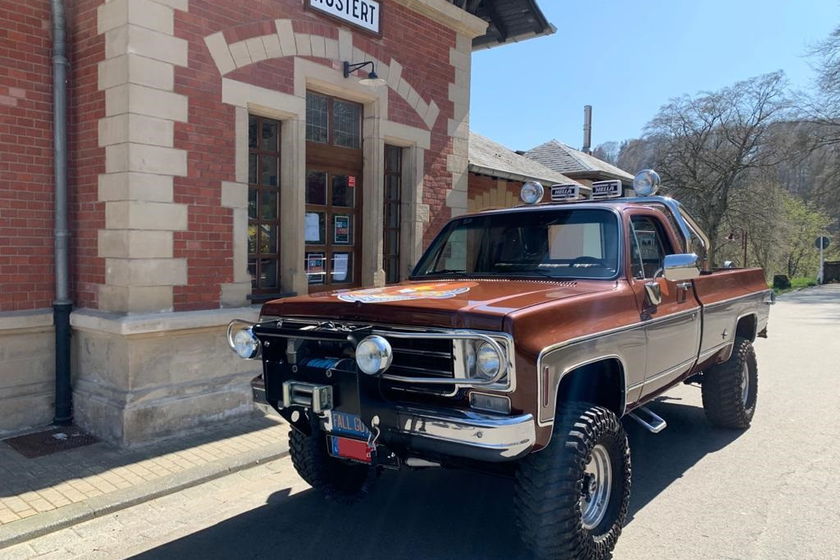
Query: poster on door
[[316, 267], [341, 229]]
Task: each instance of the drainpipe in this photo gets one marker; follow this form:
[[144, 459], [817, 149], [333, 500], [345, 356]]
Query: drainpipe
[[62, 304]]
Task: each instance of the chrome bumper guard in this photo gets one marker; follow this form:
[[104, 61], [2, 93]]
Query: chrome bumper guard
[[464, 433], [457, 433], [258, 392]]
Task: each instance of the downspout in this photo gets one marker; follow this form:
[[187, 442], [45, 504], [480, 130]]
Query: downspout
[[63, 305]]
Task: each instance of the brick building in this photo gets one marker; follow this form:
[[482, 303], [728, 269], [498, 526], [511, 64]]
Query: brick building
[[220, 154], [497, 173], [577, 164]]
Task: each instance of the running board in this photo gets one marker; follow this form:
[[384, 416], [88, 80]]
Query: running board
[[649, 419]]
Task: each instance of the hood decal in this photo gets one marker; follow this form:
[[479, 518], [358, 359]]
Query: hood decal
[[432, 290]]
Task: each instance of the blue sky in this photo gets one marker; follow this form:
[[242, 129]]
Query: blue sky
[[627, 58]]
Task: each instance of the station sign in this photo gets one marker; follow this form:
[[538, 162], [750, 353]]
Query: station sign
[[606, 189], [564, 192], [360, 13]]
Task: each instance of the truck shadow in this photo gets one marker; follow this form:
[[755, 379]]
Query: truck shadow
[[432, 514], [660, 459]]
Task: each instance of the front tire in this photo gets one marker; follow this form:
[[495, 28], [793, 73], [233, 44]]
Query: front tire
[[571, 498], [335, 479], [730, 389]]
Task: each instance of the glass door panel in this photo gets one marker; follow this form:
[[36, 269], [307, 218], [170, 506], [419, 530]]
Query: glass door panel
[[331, 227]]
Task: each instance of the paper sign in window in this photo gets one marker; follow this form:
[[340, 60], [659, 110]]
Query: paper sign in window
[[341, 230], [315, 267], [341, 267], [313, 227]]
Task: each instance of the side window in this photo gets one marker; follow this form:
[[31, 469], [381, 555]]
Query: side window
[[648, 246]]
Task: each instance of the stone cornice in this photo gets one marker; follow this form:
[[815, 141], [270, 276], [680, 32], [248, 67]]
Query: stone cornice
[[29, 319], [145, 323]]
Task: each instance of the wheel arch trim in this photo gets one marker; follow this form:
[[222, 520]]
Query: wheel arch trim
[[570, 368]]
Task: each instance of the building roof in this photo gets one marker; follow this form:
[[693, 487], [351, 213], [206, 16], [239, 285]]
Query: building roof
[[491, 158], [574, 163], [509, 21]]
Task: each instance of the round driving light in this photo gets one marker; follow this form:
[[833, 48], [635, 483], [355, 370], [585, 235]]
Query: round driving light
[[374, 355], [487, 361], [532, 192], [646, 182], [245, 344]]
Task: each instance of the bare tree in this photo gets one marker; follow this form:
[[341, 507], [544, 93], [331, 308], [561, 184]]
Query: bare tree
[[823, 107], [608, 151], [709, 143], [637, 154]]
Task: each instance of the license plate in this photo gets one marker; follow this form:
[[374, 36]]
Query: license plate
[[348, 425], [347, 448]]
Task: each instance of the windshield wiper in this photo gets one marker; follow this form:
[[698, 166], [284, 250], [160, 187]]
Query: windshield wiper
[[445, 271], [535, 271]]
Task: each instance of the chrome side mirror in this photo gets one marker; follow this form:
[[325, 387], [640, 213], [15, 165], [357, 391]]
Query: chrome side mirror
[[681, 267]]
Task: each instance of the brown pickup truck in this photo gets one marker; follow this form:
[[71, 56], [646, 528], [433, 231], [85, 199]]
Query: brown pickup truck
[[522, 339]]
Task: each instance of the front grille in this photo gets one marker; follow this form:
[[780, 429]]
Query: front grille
[[413, 357], [421, 357]]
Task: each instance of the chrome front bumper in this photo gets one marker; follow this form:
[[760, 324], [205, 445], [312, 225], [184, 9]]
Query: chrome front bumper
[[452, 432], [468, 434], [258, 392]]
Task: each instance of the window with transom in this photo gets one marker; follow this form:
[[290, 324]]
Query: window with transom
[[264, 204], [393, 218]]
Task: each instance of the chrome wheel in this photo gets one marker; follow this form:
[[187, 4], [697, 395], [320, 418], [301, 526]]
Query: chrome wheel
[[597, 486], [745, 384]]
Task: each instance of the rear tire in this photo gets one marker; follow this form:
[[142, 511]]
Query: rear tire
[[335, 479], [571, 498], [730, 389]]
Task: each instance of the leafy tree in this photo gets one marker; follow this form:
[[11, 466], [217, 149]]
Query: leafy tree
[[802, 225]]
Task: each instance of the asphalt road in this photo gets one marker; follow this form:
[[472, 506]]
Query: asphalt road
[[772, 492]]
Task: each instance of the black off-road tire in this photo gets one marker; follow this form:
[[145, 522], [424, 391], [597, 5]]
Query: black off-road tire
[[723, 396], [549, 486], [335, 479]]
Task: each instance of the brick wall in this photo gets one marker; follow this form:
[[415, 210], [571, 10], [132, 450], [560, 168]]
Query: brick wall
[[87, 159], [420, 45], [489, 192], [26, 201]]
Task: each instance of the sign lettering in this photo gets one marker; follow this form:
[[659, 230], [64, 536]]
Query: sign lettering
[[362, 13], [564, 192], [606, 189]]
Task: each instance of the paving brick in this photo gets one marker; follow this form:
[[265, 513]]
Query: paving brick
[[14, 503], [7, 516], [41, 505], [20, 552], [99, 471], [27, 513]]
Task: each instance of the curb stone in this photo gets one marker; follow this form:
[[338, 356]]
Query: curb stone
[[66, 516]]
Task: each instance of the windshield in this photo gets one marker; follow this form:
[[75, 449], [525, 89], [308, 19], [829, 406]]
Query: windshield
[[555, 243]]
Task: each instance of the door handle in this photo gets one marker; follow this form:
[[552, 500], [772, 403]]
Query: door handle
[[682, 291]]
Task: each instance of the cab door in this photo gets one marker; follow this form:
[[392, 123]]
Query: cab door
[[672, 327]]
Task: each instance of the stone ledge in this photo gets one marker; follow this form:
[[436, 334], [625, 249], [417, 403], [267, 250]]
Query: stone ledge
[[30, 319], [126, 325]]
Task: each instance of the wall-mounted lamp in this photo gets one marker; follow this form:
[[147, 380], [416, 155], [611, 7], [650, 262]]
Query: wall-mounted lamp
[[372, 80]]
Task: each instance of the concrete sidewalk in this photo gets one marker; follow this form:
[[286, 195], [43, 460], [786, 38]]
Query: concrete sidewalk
[[44, 494]]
